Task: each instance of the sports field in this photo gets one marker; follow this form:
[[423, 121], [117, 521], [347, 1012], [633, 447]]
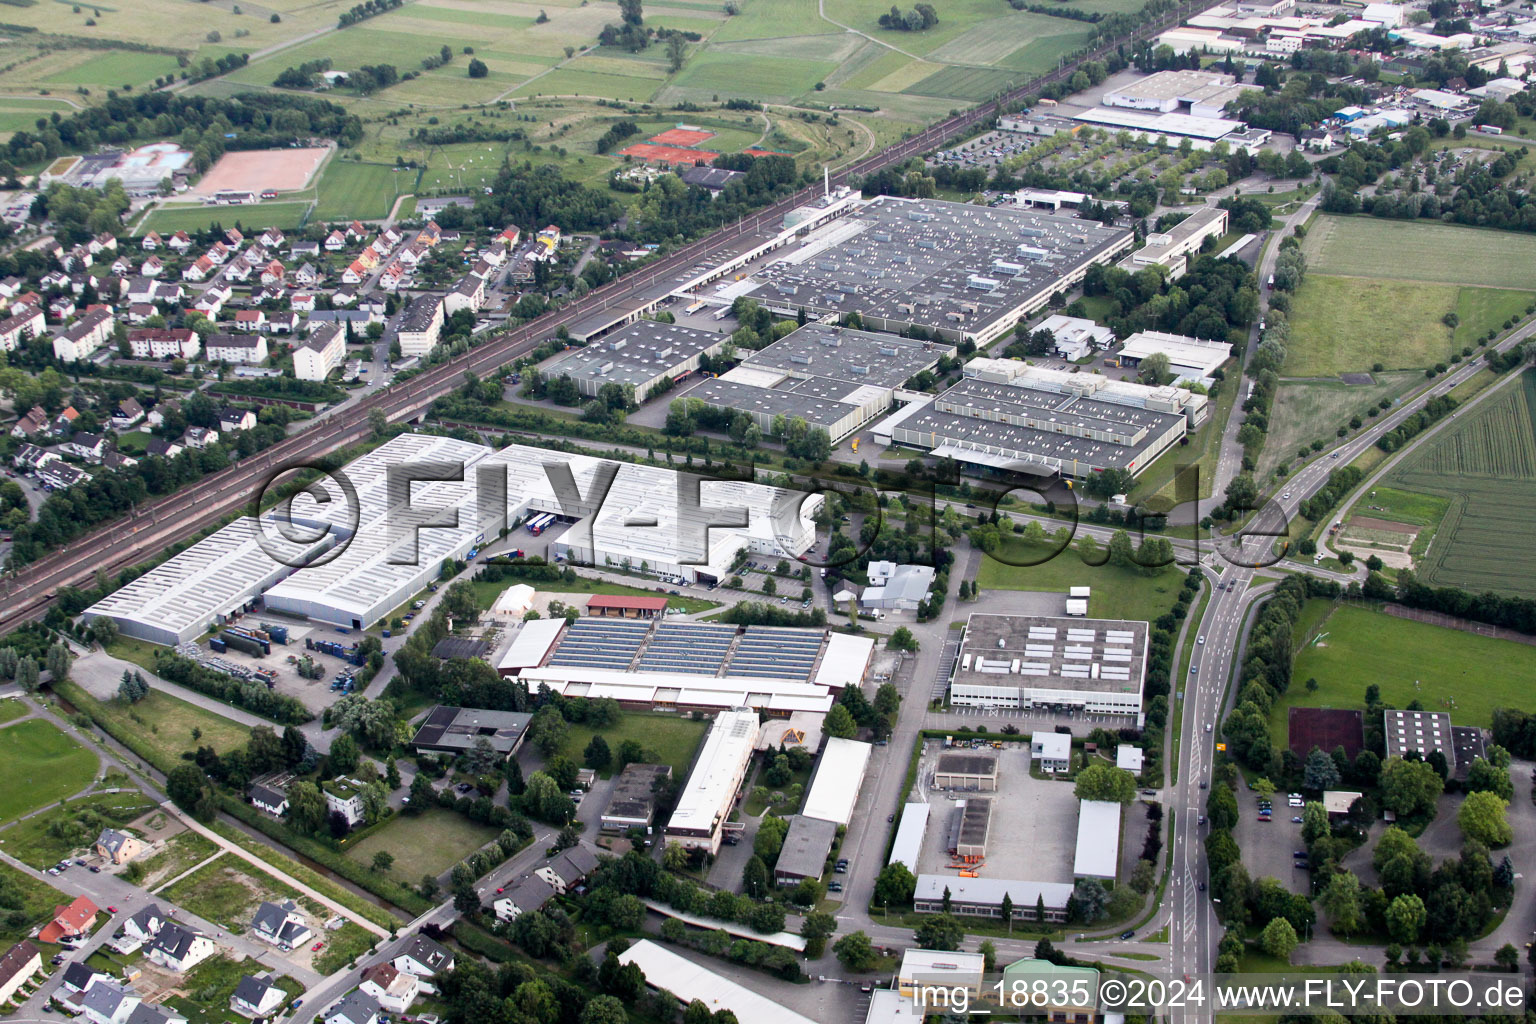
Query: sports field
[[426, 844], [1443, 669], [1421, 251], [668, 154], [349, 190], [253, 170], [42, 766], [286, 216], [1312, 410], [1484, 465]]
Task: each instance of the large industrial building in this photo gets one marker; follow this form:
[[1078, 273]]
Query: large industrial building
[[638, 357], [1201, 93], [964, 271], [712, 785], [690, 666], [1098, 834], [1067, 665], [1006, 415], [983, 897], [1174, 248], [455, 731], [832, 377], [835, 787], [1189, 358]]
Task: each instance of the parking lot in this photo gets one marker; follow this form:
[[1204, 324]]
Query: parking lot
[[985, 150], [1033, 835], [1268, 846]]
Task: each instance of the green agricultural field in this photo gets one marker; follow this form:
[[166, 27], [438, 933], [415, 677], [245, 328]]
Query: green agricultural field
[[284, 215], [45, 838], [43, 766], [115, 68], [573, 82], [1348, 324], [1118, 593], [1312, 410], [423, 844], [1484, 465], [757, 77], [673, 737], [1443, 669], [21, 114], [1421, 251], [971, 84], [227, 891], [348, 190]]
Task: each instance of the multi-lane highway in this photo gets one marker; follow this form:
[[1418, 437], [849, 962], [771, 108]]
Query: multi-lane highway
[[126, 541]]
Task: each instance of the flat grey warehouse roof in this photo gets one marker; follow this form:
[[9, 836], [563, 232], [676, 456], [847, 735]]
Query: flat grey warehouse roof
[[1079, 654], [637, 354], [842, 353], [939, 264]]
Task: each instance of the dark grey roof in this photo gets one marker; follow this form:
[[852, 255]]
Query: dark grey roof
[[174, 940], [806, 846], [712, 178], [16, 959], [266, 795], [429, 953], [460, 647], [531, 894], [104, 997], [78, 976], [456, 729], [148, 918], [269, 917], [143, 1014], [112, 840], [574, 864], [358, 1007], [252, 990]]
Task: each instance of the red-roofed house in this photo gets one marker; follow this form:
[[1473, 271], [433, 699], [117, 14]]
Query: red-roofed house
[[250, 319], [69, 920], [626, 607]]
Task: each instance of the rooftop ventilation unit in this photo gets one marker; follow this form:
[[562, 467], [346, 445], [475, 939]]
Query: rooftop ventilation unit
[[618, 343], [921, 216], [889, 350], [801, 358], [859, 370], [985, 284], [1004, 267]]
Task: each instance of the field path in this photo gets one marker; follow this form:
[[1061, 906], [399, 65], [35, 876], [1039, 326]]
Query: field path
[[821, 9]]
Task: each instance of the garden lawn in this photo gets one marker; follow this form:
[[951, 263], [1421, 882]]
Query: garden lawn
[[227, 891], [36, 842], [425, 844], [1443, 669], [672, 737], [1118, 593], [160, 722], [10, 710], [210, 984], [42, 766]]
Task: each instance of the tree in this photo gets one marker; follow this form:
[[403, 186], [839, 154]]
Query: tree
[[597, 755], [57, 661], [1484, 776], [839, 722], [1341, 901], [306, 807], [383, 861], [902, 640], [1410, 788], [1278, 939], [392, 774], [1090, 898], [677, 52], [855, 952], [1320, 772], [604, 1009], [815, 928], [939, 931], [27, 676], [1007, 909], [1405, 917], [674, 857], [1507, 957], [1155, 369], [184, 785], [1482, 819], [477, 68], [894, 885], [548, 729], [754, 878], [1105, 782], [344, 755], [1314, 822]]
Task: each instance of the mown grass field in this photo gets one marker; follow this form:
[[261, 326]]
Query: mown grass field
[[1443, 669], [163, 722], [1421, 251], [424, 844], [42, 766], [284, 215], [1484, 466], [673, 737], [1312, 410], [37, 842], [348, 190], [1118, 593], [10, 710], [37, 902]]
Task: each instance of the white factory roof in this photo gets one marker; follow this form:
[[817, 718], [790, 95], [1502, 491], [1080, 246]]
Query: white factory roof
[[941, 967], [1023, 892], [1161, 124], [531, 645], [213, 577], [1052, 746], [1129, 757], [1098, 839], [909, 835], [888, 1006], [688, 981], [845, 661], [711, 785], [839, 774], [515, 600], [681, 689], [1182, 352]]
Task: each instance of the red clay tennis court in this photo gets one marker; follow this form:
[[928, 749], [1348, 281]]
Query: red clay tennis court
[[668, 154], [682, 137]]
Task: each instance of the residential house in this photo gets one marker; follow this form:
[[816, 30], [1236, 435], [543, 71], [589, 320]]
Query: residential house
[[394, 277], [320, 353], [117, 847], [413, 254], [20, 964], [27, 323], [335, 242], [61, 308], [304, 250], [219, 254], [160, 448], [281, 925], [357, 1008], [236, 419], [152, 267], [357, 230], [272, 273], [468, 293], [240, 270], [70, 920], [77, 977], [34, 422], [271, 238], [59, 474], [509, 236], [164, 343], [198, 269], [140, 312], [117, 460], [307, 276], [151, 242], [260, 296], [344, 796], [128, 412], [527, 896], [158, 414], [420, 325], [234, 237], [393, 990], [64, 423], [105, 1001], [423, 957], [104, 242], [179, 948], [265, 798], [341, 298], [236, 348], [84, 336], [30, 457], [569, 868], [247, 320], [199, 438], [145, 923], [256, 997], [54, 279], [355, 273], [302, 302], [282, 323], [369, 258], [429, 235], [122, 266]]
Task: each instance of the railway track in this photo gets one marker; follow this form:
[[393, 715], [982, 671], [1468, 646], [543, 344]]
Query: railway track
[[176, 517]]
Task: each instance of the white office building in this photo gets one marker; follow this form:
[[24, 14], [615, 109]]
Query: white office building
[[717, 774]]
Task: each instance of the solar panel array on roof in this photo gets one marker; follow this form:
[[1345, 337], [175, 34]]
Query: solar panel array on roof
[[695, 648], [601, 643], [775, 653]]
